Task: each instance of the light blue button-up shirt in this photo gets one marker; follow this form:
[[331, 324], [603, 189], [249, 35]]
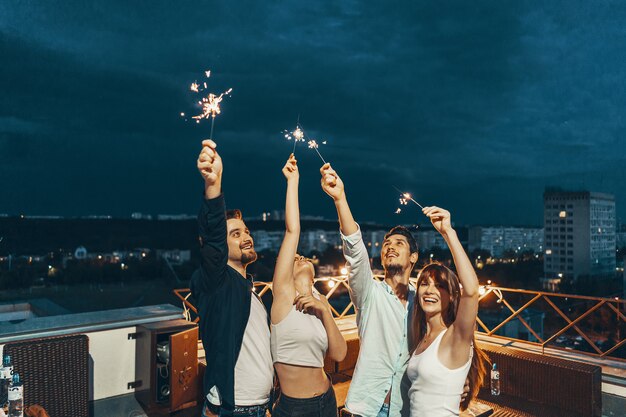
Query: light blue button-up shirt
[[383, 324]]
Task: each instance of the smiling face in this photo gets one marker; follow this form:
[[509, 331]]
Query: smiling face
[[396, 256], [438, 292], [433, 295], [240, 243]]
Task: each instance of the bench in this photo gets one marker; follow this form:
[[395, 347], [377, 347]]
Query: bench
[[55, 373], [538, 385]]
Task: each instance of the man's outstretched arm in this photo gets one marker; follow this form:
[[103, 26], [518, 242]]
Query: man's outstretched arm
[[354, 250], [211, 222], [334, 187]]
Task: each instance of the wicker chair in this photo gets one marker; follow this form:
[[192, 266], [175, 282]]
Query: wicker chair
[[55, 372]]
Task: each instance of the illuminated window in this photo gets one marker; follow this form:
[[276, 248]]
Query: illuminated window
[[563, 214]]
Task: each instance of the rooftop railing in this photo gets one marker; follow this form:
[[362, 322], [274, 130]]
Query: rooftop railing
[[593, 325], [590, 325]]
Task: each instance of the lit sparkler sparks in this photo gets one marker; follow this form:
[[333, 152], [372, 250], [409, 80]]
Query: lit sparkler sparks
[[408, 197], [313, 145], [297, 136], [210, 104], [404, 200]]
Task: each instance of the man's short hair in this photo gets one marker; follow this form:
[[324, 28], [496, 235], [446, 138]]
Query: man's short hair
[[403, 231], [234, 214]]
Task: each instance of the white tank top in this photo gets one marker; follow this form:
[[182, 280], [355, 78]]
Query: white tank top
[[299, 339], [435, 389]]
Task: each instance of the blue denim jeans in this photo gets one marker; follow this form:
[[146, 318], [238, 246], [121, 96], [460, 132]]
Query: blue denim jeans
[[259, 411], [324, 405], [384, 411]]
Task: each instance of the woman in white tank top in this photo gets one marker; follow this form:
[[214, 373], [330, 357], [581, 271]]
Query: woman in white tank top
[[303, 328], [443, 344]]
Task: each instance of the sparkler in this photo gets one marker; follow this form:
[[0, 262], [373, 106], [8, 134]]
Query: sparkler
[[408, 196], [297, 136], [404, 200], [313, 145], [210, 104]]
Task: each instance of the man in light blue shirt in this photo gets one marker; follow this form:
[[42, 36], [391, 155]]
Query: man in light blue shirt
[[379, 386]]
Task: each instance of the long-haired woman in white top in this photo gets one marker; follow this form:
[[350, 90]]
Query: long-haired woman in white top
[[303, 328], [443, 344]]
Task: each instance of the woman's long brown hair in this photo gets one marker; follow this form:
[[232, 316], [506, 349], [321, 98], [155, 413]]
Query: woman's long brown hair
[[442, 275]]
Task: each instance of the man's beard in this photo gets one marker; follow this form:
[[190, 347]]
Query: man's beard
[[392, 270], [248, 257]]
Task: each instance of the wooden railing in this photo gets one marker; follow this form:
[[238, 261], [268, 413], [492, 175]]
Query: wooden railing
[[598, 322], [593, 319]]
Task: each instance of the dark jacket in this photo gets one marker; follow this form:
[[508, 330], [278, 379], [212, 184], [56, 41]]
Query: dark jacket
[[222, 296]]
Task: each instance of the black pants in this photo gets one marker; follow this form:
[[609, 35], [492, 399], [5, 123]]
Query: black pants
[[324, 405]]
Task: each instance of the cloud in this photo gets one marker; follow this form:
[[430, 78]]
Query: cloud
[[15, 125], [443, 97]]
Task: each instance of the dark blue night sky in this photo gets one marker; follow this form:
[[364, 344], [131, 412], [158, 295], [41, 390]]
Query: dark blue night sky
[[476, 106]]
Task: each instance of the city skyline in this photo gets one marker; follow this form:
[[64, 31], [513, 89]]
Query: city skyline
[[473, 107], [277, 215]]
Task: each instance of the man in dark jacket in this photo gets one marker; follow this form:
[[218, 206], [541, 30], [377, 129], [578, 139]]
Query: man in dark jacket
[[233, 321]]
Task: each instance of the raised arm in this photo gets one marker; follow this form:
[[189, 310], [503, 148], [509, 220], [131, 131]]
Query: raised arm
[[283, 273], [333, 186], [211, 168], [463, 326], [211, 223], [354, 250]]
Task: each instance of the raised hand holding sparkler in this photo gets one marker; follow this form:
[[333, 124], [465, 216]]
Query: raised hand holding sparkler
[[331, 182], [290, 170], [210, 167], [439, 217]]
